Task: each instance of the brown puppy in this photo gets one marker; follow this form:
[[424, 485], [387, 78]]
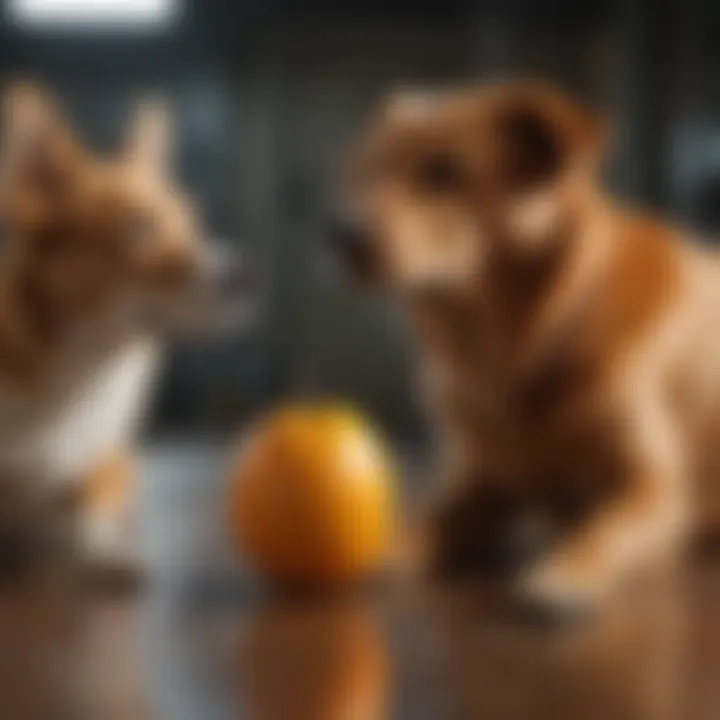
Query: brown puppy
[[570, 346]]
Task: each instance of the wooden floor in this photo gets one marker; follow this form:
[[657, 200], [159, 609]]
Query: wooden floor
[[201, 644]]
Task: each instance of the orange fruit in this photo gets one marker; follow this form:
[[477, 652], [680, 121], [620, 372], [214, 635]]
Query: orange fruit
[[312, 497]]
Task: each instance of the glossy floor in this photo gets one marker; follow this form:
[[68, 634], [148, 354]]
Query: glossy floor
[[200, 644]]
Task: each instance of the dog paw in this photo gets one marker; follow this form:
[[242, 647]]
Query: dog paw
[[110, 555], [558, 590], [116, 572]]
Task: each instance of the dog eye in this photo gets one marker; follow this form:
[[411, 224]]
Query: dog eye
[[439, 172]]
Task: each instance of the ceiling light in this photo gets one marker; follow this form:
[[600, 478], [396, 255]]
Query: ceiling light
[[71, 14]]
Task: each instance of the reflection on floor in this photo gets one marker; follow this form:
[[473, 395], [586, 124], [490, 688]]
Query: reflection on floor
[[200, 644]]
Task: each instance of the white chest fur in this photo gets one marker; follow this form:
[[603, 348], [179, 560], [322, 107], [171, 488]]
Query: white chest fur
[[92, 402]]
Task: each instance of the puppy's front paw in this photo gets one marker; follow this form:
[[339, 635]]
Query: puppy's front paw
[[561, 588], [486, 531], [110, 553]]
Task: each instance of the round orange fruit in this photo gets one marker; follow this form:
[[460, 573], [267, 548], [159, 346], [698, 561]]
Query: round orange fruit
[[312, 497]]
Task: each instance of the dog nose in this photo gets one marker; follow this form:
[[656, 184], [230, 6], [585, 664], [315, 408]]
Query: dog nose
[[350, 241]]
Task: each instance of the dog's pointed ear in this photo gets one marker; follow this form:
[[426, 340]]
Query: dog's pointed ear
[[37, 144], [150, 143], [547, 141]]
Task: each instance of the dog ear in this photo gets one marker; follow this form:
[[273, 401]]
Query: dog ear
[[544, 135], [546, 142], [37, 145], [150, 141]]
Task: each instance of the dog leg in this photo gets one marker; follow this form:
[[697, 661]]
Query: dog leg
[[35, 530], [107, 522], [109, 550], [482, 528], [643, 521]]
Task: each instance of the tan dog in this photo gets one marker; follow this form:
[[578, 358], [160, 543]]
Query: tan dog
[[571, 348], [100, 257]]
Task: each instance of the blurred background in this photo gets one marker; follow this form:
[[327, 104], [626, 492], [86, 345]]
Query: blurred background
[[268, 95]]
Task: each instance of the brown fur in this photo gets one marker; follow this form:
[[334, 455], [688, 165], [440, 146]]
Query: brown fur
[[79, 231], [567, 346], [100, 259]]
